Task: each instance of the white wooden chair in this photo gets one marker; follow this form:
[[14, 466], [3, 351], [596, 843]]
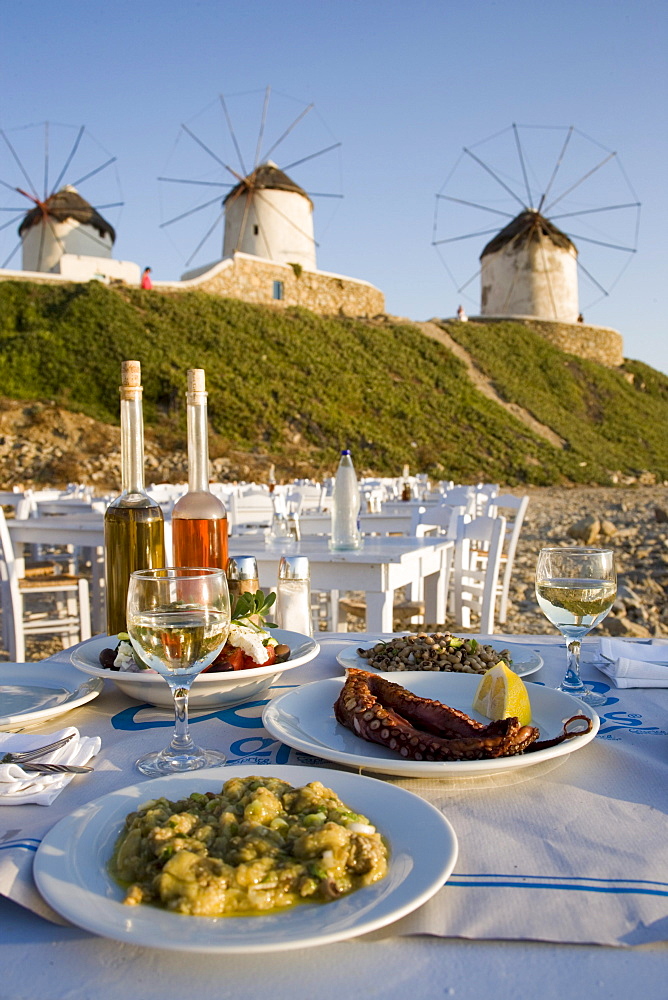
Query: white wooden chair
[[309, 496], [250, 513], [475, 582], [516, 508], [459, 495], [442, 516], [72, 611]]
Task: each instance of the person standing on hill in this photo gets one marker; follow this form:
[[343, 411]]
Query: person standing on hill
[[146, 278]]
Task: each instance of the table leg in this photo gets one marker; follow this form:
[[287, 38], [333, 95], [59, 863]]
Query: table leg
[[379, 611], [339, 621], [98, 604], [436, 588]]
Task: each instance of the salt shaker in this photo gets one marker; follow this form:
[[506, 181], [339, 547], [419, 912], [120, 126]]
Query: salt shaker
[[293, 595]]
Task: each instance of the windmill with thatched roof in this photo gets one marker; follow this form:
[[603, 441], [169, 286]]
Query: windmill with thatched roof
[[268, 215], [64, 223], [530, 269]]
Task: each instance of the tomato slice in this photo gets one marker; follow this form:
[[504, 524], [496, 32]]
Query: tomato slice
[[233, 658]]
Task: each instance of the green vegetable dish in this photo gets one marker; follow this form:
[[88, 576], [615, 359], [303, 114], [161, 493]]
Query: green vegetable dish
[[256, 846]]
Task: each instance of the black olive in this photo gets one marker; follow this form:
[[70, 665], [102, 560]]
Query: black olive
[[282, 652]]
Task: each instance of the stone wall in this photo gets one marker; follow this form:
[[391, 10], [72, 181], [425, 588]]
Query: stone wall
[[595, 343], [252, 279]]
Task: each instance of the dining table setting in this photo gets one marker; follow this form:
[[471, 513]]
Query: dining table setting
[[545, 870]]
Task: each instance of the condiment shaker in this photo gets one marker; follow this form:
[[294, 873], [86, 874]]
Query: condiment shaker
[[242, 576], [293, 595]]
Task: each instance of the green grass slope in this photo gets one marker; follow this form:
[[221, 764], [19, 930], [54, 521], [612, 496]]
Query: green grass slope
[[290, 384]]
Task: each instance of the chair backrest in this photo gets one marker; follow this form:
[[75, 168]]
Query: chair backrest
[[484, 494], [474, 585], [444, 516], [308, 496], [251, 510], [461, 495], [517, 506]]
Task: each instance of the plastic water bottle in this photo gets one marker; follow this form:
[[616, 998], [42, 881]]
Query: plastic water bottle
[[346, 506]]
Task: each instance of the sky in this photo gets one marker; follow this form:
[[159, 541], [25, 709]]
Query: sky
[[427, 105]]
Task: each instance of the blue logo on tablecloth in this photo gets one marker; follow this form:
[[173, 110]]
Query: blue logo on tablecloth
[[130, 718]]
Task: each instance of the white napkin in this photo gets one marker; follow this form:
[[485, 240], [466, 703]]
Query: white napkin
[[19, 787], [635, 664]]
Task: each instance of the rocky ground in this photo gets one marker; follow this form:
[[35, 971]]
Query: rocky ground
[[633, 522]]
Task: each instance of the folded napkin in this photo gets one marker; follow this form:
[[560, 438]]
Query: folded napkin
[[19, 787], [635, 664]]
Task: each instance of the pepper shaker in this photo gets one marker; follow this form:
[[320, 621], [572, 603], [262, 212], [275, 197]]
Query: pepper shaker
[[242, 576], [293, 595]]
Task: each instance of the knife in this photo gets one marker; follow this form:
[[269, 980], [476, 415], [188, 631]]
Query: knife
[[56, 768]]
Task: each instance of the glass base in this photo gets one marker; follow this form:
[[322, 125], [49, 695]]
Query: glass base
[[585, 694], [168, 762]]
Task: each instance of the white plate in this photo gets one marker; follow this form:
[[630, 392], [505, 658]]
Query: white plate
[[70, 868], [30, 692], [304, 719], [209, 690], [524, 659]]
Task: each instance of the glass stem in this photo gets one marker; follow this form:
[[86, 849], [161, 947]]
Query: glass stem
[[181, 740], [572, 681]]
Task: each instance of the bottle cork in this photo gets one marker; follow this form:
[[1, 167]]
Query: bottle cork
[[196, 380], [131, 386]]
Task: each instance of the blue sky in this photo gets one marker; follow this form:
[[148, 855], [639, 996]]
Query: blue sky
[[402, 87]]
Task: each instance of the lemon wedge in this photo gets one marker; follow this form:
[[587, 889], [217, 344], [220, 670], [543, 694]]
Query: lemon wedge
[[502, 694]]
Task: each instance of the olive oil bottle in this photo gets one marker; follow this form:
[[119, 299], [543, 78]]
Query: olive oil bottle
[[134, 531]]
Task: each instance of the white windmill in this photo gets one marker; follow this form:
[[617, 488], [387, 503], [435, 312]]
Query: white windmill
[[63, 223], [62, 232], [266, 213], [531, 267]]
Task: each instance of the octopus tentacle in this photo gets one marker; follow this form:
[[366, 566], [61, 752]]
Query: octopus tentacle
[[369, 706], [565, 735], [432, 716]]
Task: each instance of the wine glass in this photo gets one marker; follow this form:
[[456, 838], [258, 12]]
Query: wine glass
[[576, 587], [178, 620]]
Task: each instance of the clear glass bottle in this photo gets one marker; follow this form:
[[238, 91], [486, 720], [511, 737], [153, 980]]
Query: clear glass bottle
[[346, 506], [199, 519], [134, 531]]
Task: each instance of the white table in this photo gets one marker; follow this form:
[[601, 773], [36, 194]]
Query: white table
[[403, 522], [41, 959], [82, 530], [379, 568]]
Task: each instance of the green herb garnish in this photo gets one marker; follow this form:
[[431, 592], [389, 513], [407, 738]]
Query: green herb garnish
[[248, 606]]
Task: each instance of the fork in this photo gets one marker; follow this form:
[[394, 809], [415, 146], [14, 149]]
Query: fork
[[25, 755], [57, 768]]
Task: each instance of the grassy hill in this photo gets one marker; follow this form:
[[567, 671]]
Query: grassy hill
[[293, 388]]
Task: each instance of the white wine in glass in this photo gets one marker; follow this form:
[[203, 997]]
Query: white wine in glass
[[575, 588], [178, 621]]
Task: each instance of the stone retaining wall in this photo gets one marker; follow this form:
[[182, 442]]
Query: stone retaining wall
[[595, 343], [253, 279]]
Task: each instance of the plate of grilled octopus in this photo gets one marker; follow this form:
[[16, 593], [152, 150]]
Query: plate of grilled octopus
[[420, 724]]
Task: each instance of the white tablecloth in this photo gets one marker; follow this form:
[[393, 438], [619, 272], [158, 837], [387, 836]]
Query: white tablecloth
[[571, 852]]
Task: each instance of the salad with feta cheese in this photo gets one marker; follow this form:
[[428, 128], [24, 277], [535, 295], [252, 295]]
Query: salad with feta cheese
[[248, 644]]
